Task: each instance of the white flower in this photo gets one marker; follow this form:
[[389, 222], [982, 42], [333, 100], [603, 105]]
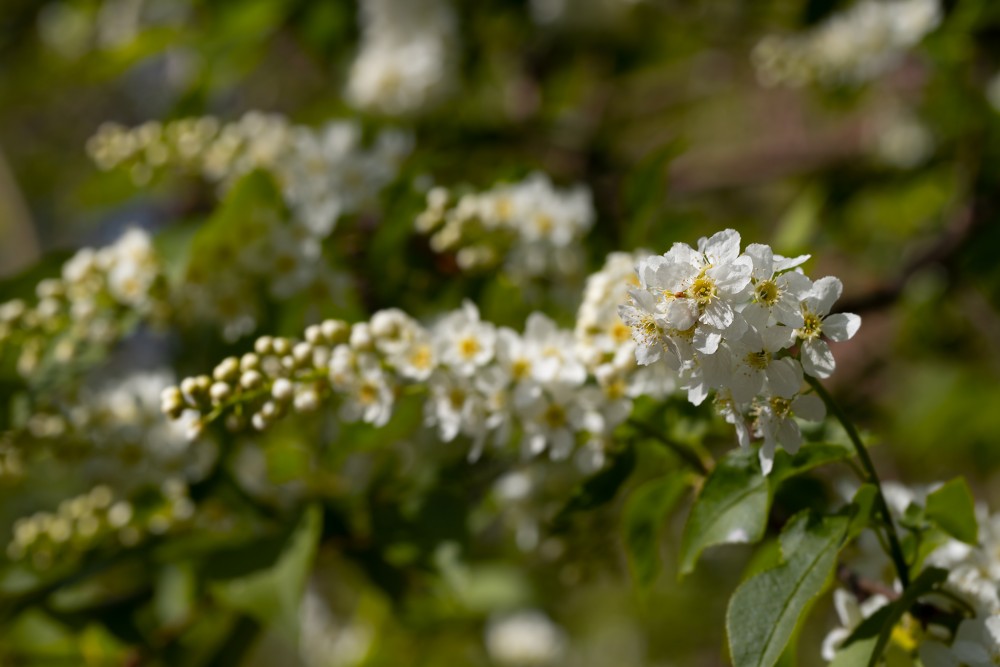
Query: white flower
[[367, 390], [775, 423], [551, 419], [976, 644], [525, 639], [776, 290], [407, 60], [756, 365], [465, 342], [454, 406], [819, 326], [641, 316]]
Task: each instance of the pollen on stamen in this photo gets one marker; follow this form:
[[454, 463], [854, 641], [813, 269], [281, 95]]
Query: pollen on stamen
[[812, 327], [703, 290], [468, 347], [767, 292], [758, 360]]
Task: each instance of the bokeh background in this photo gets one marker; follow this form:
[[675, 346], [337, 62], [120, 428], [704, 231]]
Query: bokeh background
[[676, 117]]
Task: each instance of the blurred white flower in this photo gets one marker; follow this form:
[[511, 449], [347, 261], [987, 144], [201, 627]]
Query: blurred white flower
[[525, 638]]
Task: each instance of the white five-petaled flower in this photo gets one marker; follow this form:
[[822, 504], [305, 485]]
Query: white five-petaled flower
[[775, 423], [465, 342], [777, 291], [819, 326]]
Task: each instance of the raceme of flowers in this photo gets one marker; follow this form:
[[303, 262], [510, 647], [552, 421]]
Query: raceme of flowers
[[96, 299], [117, 434], [851, 47], [407, 59], [530, 228], [745, 325], [484, 382], [96, 518], [323, 174]]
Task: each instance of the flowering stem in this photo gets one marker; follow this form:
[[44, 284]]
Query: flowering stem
[[895, 547], [687, 455]]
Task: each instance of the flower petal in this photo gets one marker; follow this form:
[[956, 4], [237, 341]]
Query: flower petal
[[817, 359], [841, 326]]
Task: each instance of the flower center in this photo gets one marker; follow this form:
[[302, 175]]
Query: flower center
[[620, 332], [367, 393], [554, 416], [468, 347], [781, 407], [703, 290], [545, 223], [758, 360], [457, 398], [520, 369], [766, 292], [812, 327], [421, 357]]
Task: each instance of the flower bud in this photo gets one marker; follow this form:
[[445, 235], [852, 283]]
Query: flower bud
[[220, 391], [263, 345], [282, 390], [251, 379], [335, 331], [249, 361], [227, 370]]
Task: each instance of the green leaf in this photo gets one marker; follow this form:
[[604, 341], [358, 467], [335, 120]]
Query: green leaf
[[953, 509], [732, 507], [765, 609], [599, 489], [272, 595], [246, 214], [865, 645], [809, 456], [734, 503], [645, 513]]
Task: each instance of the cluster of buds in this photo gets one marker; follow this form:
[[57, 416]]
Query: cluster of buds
[[86, 522], [99, 295], [281, 373], [529, 227]]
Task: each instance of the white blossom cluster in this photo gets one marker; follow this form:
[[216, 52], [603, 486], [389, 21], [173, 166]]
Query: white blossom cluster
[[91, 304], [323, 174], [85, 522], [407, 60], [489, 384], [852, 47], [604, 342], [745, 325], [118, 433], [531, 228]]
